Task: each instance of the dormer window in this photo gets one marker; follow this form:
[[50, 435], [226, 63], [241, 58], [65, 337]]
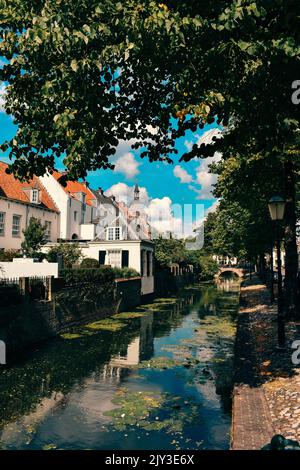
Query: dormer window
[[35, 196], [113, 233]]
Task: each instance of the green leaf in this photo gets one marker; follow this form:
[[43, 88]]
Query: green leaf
[[74, 65]]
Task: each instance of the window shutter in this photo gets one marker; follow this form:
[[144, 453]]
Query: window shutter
[[125, 258], [102, 255]]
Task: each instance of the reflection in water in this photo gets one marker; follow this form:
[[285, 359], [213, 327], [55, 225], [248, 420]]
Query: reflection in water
[[161, 381]]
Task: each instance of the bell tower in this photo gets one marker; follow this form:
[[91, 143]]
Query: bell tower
[[136, 192]]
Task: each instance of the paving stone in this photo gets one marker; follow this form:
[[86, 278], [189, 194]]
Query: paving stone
[[266, 398]]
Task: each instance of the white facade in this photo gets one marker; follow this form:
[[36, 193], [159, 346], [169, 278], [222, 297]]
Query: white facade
[[15, 217], [73, 212], [139, 256], [25, 267]]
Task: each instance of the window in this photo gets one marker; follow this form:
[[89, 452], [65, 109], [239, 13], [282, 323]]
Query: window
[[48, 230], [75, 216], [2, 223], [113, 233], [35, 199], [115, 258], [16, 225]]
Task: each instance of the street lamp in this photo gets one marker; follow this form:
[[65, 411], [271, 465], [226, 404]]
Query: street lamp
[[276, 208]]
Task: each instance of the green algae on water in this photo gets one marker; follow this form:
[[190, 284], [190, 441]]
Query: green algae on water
[[71, 335], [108, 324], [150, 411], [129, 315]]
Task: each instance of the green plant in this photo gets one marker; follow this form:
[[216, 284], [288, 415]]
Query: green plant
[[89, 263], [208, 268], [10, 294], [80, 275], [9, 255], [125, 273], [168, 251], [69, 252], [34, 237]]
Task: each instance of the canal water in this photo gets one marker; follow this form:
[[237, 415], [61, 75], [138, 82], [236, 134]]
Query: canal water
[[159, 377]]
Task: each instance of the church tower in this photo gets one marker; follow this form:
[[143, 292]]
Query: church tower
[[136, 193]]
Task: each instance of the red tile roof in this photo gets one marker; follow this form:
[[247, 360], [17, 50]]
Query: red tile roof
[[74, 187], [12, 188]]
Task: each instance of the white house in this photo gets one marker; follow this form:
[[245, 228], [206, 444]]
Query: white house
[[77, 206], [21, 201], [135, 254]]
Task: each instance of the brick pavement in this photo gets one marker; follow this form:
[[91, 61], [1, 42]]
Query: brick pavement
[[266, 398]]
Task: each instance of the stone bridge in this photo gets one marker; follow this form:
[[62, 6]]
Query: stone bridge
[[230, 269]]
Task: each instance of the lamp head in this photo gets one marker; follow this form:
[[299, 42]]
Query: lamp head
[[276, 208]]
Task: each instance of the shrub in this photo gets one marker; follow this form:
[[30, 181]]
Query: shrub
[[9, 255], [10, 295], [70, 253], [89, 263], [125, 273], [87, 275], [11, 302], [208, 268]]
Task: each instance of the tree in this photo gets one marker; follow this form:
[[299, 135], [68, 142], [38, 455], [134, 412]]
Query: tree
[[246, 185], [70, 253], [83, 77], [168, 251], [34, 238], [204, 265]]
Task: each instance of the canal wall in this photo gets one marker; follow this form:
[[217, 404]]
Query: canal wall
[[31, 322], [166, 283]]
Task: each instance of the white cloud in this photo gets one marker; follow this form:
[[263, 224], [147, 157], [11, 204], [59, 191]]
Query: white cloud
[[189, 145], [125, 193], [182, 174], [127, 165], [205, 179], [163, 216], [207, 137]]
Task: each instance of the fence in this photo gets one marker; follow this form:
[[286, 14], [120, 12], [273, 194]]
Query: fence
[[12, 281], [34, 288]]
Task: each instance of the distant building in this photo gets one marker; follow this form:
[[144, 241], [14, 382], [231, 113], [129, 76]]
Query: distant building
[[21, 201]]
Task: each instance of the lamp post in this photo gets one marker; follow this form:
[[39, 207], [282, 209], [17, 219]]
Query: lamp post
[[276, 208]]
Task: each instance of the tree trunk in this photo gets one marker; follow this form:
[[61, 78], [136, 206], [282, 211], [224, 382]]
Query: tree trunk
[[290, 237]]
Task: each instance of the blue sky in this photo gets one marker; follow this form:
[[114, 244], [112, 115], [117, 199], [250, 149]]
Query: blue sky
[[182, 183]]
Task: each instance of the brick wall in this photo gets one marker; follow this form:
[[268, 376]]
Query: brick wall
[[38, 321], [128, 292]]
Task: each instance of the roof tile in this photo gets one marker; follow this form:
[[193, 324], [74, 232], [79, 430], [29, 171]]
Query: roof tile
[[12, 188]]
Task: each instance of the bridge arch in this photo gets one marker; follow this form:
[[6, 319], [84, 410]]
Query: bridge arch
[[238, 271]]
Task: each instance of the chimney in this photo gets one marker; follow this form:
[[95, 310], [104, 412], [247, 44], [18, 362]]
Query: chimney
[[100, 190]]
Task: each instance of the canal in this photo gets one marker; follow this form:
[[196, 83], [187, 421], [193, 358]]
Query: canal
[[159, 377]]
